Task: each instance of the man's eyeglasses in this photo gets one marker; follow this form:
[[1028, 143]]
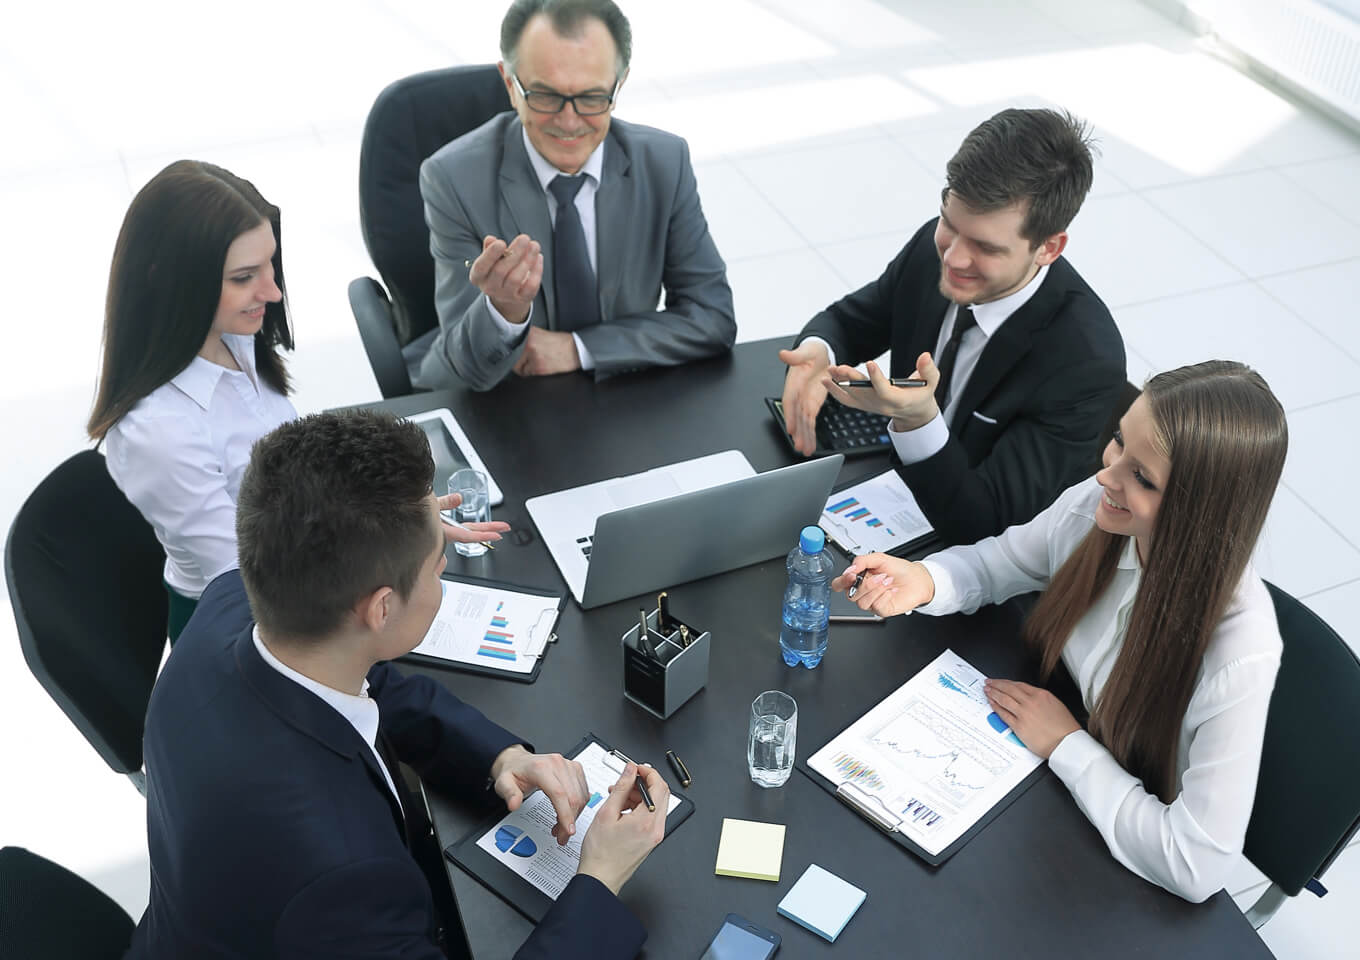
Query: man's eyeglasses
[[585, 104]]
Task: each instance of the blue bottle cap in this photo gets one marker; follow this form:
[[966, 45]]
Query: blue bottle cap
[[812, 540]]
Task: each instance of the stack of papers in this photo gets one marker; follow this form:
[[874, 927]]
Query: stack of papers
[[750, 849], [822, 902]]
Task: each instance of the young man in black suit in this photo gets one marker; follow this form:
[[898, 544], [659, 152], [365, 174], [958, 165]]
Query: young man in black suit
[[1022, 361], [278, 822]]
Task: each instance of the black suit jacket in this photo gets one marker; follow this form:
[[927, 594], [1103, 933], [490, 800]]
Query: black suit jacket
[[1029, 420], [272, 831]]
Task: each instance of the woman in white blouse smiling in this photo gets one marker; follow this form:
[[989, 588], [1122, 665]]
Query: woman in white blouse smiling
[[1151, 603], [192, 373]]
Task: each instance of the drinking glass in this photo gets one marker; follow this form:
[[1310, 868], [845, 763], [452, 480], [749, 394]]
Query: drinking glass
[[772, 739], [475, 508]]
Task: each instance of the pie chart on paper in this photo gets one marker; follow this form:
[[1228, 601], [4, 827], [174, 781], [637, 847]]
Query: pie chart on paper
[[512, 840]]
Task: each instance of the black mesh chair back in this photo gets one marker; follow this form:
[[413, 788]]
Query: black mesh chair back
[[1307, 803], [85, 580], [410, 120], [48, 912]]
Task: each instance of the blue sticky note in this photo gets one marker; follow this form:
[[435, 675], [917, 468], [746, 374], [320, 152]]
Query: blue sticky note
[[822, 902]]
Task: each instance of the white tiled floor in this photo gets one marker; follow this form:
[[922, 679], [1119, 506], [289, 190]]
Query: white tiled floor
[[1225, 220]]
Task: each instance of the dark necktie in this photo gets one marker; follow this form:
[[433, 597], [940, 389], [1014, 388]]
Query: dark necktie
[[963, 322], [578, 304]]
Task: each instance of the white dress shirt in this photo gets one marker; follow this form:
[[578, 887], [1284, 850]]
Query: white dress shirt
[[360, 712], [925, 441], [1191, 845], [585, 206], [179, 455]]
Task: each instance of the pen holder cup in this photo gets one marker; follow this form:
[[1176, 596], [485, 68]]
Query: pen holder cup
[[663, 685]]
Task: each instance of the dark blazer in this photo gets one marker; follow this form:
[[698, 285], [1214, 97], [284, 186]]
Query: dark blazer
[[272, 832], [650, 233], [1027, 425]]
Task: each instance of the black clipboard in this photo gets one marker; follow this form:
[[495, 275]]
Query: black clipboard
[[510, 886], [916, 547], [491, 671], [877, 817]]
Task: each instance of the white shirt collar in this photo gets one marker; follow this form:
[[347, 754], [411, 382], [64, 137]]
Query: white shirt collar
[[990, 316], [360, 711], [545, 171], [199, 379]]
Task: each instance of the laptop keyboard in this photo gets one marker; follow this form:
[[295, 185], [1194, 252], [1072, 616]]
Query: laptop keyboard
[[585, 543], [844, 429]]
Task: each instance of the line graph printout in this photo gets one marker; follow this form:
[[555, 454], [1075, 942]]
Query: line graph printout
[[523, 840], [490, 626], [933, 757], [877, 514]]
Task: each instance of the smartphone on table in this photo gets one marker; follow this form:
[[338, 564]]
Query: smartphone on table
[[740, 939]]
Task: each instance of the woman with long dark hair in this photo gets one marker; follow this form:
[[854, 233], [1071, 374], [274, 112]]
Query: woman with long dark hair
[[192, 374], [1151, 604]]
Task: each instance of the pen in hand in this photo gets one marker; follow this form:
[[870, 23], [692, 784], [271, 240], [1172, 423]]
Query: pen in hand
[[458, 526], [896, 382], [854, 587], [646, 797]]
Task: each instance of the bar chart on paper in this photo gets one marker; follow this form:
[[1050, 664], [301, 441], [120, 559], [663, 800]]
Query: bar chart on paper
[[489, 626], [877, 514]]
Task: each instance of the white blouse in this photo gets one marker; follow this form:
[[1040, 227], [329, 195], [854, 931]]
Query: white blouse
[[1191, 845], [179, 455]]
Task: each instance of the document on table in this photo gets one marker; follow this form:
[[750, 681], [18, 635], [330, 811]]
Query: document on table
[[931, 759], [490, 627], [523, 840], [877, 514]]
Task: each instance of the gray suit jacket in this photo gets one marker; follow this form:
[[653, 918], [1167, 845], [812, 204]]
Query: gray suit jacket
[[650, 233]]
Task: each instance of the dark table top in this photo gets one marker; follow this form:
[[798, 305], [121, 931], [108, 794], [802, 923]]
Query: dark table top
[[1038, 881]]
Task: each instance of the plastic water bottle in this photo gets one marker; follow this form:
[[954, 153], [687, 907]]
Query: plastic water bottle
[[802, 639]]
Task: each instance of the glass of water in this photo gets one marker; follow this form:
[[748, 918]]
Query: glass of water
[[475, 507], [773, 737]]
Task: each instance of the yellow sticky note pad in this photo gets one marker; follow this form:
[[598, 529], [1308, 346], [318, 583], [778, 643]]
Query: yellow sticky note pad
[[748, 848]]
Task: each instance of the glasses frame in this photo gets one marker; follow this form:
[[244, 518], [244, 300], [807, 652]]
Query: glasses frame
[[524, 94]]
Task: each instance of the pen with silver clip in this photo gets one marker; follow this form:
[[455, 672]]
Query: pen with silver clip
[[895, 381], [642, 787], [645, 641]]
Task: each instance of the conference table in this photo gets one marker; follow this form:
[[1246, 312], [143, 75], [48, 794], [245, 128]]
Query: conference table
[[1037, 881]]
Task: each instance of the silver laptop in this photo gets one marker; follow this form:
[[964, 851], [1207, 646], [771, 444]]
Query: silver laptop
[[630, 535]]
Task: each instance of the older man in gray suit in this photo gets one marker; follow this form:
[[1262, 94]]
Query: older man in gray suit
[[599, 217]]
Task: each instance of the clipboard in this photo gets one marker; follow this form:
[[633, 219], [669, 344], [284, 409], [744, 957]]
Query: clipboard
[[490, 670], [930, 762], [870, 810], [916, 546], [510, 886]]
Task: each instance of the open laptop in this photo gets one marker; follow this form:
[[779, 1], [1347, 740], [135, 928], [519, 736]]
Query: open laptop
[[652, 530]]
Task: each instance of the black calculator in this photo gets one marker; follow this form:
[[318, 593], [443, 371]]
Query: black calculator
[[840, 429]]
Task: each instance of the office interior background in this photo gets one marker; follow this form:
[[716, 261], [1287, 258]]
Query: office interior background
[[1224, 222]]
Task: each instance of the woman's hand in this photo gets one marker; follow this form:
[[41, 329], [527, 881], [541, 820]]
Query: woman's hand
[[1036, 716], [889, 585]]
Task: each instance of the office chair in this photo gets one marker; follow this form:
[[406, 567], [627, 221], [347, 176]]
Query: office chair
[[84, 573], [1127, 395], [410, 120], [47, 911], [1307, 804]]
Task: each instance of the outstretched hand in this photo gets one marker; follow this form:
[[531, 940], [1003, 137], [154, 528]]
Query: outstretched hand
[[890, 585]]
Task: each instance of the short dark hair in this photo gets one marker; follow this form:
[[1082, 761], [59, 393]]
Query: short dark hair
[[332, 507], [568, 19], [166, 282], [1040, 158]]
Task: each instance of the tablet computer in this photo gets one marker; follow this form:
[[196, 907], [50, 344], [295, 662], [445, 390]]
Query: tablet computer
[[452, 451]]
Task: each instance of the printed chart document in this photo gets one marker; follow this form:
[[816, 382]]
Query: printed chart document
[[877, 514], [931, 760], [490, 628], [523, 842]]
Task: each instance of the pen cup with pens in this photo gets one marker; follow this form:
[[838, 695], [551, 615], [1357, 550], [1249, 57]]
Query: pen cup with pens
[[665, 661]]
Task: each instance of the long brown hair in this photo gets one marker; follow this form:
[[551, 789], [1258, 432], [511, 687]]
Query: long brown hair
[[166, 281], [1225, 435]]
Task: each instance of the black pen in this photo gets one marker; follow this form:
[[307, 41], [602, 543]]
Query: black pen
[[678, 765], [663, 614], [896, 382], [854, 587], [644, 641], [642, 787]]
